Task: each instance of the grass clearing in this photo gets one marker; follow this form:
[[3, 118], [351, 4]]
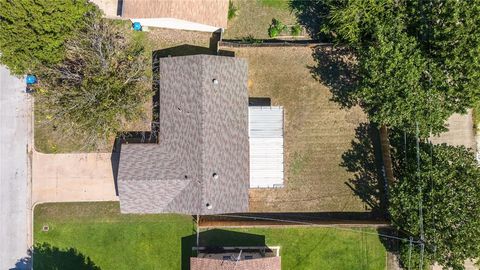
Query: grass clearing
[[254, 16], [280, 4], [114, 241], [317, 133]]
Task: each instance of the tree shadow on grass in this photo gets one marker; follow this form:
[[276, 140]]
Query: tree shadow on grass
[[46, 257], [215, 239], [336, 68], [312, 15], [364, 160]]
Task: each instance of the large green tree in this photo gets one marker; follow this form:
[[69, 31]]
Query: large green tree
[[445, 183], [100, 86], [418, 61], [33, 32]]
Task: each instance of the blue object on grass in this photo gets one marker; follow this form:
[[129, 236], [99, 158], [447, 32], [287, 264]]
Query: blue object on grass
[[137, 26], [31, 79]]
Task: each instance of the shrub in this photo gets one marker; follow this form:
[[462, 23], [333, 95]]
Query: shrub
[[232, 10], [251, 39], [275, 28], [296, 30]]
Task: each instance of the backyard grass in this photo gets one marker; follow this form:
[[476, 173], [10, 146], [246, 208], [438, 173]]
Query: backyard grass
[[317, 133], [280, 4], [309, 247], [254, 17], [114, 241]]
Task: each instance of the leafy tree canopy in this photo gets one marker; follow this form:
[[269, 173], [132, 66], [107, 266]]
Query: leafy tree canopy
[[418, 61], [449, 188], [33, 32], [100, 86]]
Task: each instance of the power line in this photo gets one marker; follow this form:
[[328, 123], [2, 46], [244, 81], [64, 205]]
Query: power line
[[314, 224], [410, 253], [420, 199]]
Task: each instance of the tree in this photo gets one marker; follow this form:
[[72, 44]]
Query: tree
[[418, 60], [100, 86], [448, 187], [33, 32]]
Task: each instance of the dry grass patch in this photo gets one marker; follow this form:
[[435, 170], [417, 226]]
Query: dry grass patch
[[317, 133], [254, 17]]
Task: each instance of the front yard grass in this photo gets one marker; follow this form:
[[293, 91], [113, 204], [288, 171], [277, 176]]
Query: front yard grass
[[114, 241], [254, 17], [111, 240], [317, 133], [49, 140]]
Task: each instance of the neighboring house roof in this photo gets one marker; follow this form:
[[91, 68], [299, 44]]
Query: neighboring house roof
[[201, 164], [208, 12], [268, 263]]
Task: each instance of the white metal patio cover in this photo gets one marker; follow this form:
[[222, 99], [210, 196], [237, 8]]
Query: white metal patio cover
[[266, 146]]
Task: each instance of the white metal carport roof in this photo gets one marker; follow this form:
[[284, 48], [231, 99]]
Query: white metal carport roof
[[266, 146]]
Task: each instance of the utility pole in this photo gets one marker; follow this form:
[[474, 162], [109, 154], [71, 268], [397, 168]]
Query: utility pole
[[198, 233]]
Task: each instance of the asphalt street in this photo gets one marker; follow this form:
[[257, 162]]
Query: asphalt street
[[15, 113]]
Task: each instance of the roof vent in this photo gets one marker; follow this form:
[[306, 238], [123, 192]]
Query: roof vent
[[186, 176], [215, 81], [209, 206], [215, 176]]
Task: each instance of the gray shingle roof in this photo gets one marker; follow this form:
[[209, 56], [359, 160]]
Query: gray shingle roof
[[203, 131]]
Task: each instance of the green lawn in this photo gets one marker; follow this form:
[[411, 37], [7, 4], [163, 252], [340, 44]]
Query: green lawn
[[280, 4], [114, 241], [310, 247], [109, 239]]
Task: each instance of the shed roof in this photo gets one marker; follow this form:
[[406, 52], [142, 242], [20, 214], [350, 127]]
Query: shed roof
[[266, 146], [200, 165], [208, 12], [268, 263]]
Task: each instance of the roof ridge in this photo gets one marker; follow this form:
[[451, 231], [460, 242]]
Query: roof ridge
[[178, 192], [202, 132]]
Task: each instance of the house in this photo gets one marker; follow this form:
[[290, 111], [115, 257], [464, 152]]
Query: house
[[211, 148], [201, 163], [238, 258], [196, 15]]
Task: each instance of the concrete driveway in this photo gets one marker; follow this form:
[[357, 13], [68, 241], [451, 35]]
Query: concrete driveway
[[109, 7], [15, 142], [72, 177], [460, 131]]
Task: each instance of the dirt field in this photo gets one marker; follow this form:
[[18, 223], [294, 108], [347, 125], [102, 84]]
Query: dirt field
[[317, 133]]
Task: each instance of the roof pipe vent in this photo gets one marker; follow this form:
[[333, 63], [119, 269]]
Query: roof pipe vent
[[215, 81], [209, 206]]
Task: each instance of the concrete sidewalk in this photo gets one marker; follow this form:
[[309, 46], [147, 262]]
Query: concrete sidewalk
[[73, 177]]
